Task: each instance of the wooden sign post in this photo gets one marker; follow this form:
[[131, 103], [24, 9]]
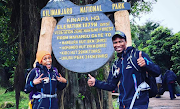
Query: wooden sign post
[[122, 23], [45, 40]]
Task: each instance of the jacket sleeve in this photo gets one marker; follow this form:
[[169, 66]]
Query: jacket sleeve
[[29, 86], [151, 67], [110, 84], [61, 85]]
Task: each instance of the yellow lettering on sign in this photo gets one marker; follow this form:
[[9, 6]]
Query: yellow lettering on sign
[[82, 41], [118, 6], [79, 57], [68, 52], [63, 11], [46, 13], [78, 31], [74, 19], [101, 40], [69, 42], [69, 47], [73, 25], [79, 36], [85, 9], [96, 56], [105, 24], [61, 26], [62, 37], [95, 18]]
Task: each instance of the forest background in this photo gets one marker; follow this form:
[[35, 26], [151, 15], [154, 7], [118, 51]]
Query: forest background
[[20, 25]]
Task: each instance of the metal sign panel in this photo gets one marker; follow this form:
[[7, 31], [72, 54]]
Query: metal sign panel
[[82, 43], [58, 8]]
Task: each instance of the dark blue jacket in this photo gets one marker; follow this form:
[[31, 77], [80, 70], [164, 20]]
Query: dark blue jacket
[[129, 78], [169, 76], [46, 87]]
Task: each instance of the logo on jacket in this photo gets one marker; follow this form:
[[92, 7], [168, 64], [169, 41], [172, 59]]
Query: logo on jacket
[[53, 78], [46, 80], [128, 67]]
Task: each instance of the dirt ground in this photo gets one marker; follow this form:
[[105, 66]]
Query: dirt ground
[[164, 102]]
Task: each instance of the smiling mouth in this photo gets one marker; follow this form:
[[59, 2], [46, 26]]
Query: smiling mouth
[[118, 49], [48, 65]]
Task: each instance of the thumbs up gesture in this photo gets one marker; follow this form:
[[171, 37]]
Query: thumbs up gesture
[[91, 81], [141, 62]]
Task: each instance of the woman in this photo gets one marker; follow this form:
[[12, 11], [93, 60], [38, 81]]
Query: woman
[[43, 82]]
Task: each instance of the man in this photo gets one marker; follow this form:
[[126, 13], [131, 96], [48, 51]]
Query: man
[[124, 71], [169, 80], [159, 84]]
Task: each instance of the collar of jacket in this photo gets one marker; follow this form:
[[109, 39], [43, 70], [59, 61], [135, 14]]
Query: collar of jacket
[[125, 52], [41, 67]]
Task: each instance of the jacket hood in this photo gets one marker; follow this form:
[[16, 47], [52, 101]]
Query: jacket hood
[[40, 66]]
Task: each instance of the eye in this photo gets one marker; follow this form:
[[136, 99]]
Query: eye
[[121, 41], [114, 42], [49, 57], [45, 58]]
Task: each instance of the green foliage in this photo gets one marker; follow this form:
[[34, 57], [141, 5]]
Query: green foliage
[[100, 75], [176, 54], [8, 43], [140, 7], [142, 33], [160, 44], [8, 50], [159, 47], [82, 76], [115, 103], [10, 97], [81, 96]]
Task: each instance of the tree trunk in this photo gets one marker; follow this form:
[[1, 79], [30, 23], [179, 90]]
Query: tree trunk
[[19, 73], [122, 23], [25, 21], [45, 39]]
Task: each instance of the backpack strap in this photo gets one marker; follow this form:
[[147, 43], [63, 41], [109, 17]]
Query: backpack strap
[[131, 60], [56, 74], [114, 66], [37, 71], [55, 71]]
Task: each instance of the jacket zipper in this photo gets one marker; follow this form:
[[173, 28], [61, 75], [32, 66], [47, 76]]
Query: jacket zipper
[[123, 81], [50, 88]]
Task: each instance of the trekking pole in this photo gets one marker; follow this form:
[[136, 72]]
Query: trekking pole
[[142, 87]]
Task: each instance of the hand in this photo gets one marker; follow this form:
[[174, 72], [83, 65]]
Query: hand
[[61, 79], [38, 80], [141, 62], [91, 81]]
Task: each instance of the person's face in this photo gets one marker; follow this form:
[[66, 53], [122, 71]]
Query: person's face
[[119, 44], [47, 61]]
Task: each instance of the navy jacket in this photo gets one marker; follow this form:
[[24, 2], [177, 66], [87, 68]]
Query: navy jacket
[[169, 76], [129, 78], [49, 87]]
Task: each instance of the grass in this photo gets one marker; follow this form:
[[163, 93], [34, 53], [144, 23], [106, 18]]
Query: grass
[[10, 97], [115, 104]]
